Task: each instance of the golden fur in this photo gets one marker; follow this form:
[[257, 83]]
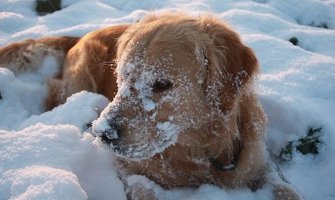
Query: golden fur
[[198, 76]]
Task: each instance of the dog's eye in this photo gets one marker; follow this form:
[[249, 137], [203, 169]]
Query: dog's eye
[[161, 85]]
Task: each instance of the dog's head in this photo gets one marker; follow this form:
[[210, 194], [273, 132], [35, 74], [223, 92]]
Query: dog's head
[[178, 83]]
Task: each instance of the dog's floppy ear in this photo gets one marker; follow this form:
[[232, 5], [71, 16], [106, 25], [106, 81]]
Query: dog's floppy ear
[[230, 62]]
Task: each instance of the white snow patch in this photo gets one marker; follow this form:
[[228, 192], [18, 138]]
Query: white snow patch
[[80, 109], [40, 182], [148, 104]]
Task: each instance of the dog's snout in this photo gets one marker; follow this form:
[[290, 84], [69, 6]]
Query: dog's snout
[[114, 132]]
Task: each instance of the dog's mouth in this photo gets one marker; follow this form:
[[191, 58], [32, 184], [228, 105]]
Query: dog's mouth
[[143, 149], [134, 151], [139, 143]]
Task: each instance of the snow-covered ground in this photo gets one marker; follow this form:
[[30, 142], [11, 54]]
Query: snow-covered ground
[[52, 156]]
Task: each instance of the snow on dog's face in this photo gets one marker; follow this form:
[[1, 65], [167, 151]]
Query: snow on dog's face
[[159, 97], [169, 82]]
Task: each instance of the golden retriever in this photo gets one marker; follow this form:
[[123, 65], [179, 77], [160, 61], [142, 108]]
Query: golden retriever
[[183, 109]]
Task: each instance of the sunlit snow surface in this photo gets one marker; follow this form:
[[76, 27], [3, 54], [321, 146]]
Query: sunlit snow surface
[[52, 155]]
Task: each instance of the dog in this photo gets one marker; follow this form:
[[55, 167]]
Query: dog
[[183, 111], [84, 62]]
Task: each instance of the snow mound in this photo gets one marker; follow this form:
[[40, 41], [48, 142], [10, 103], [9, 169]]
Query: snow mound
[[45, 161], [39, 182]]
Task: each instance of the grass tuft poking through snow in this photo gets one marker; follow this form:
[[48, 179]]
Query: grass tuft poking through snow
[[294, 41], [309, 144], [44, 7]]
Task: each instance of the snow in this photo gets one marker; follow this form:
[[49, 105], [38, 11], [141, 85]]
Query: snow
[[52, 155], [40, 182]]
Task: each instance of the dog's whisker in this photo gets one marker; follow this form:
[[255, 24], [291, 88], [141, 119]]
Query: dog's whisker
[[108, 65]]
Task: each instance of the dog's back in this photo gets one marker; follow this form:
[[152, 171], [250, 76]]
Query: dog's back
[[29, 54], [84, 63]]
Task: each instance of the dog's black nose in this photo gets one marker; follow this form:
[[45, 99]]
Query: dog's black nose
[[112, 134], [106, 139], [109, 127]]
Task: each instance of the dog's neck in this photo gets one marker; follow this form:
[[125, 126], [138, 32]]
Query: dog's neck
[[231, 163]]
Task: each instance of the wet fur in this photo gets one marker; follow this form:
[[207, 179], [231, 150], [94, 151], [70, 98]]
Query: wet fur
[[225, 60]]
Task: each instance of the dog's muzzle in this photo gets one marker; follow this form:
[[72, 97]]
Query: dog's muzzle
[[108, 129]]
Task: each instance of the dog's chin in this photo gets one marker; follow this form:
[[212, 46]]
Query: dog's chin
[[143, 143], [140, 151], [136, 152]]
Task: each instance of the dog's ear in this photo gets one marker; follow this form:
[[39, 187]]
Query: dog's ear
[[231, 64]]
